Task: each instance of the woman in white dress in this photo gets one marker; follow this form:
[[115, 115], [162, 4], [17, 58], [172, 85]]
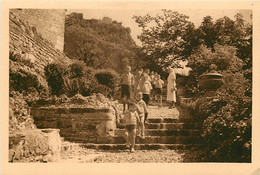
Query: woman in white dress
[[171, 88]]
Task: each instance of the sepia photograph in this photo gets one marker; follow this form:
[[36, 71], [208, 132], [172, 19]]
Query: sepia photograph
[[111, 84]]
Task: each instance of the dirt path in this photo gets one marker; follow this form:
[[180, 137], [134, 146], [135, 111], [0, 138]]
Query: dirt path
[[163, 112], [155, 111], [82, 155]]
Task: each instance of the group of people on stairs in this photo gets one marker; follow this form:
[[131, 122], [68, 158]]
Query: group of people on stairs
[[135, 92]]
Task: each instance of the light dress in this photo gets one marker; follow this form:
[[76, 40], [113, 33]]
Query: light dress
[[171, 95]]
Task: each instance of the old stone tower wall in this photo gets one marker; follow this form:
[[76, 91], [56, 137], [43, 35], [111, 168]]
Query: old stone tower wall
[[27, 41], [50, 23]]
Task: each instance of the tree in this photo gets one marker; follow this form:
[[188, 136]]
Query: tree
[[207, 32], [166, 38], [99, 43]]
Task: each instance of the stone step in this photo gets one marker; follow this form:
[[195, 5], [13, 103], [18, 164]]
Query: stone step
[[164, 132], [140, 146], [172, 126], [147, 140], [170, 120], [169, 126]]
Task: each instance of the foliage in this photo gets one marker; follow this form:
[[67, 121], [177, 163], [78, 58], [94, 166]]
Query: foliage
[[54, 73], [79, 79], [77, 69], [226, 116], [227, 130], [224, 57], [19, 118], [106, 82], [224, 31], [166, 39], [170, 37], [23, 78], [69, 80], [99, 43]]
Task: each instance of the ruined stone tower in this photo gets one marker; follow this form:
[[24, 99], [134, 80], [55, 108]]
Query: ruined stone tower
[[50, 23]]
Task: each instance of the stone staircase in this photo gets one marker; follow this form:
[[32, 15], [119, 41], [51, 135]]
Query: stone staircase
[[161, 133], [164, 129]]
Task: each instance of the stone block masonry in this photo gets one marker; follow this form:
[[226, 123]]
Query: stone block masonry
[[50, 23], [25, 40], [36, 145], [86, 125]]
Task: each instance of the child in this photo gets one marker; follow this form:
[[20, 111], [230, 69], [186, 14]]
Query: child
[[147, 72], [131, 118], [145, 87], [138, 77], [158, 89], [143, 114], [127, 83], [152, 77]]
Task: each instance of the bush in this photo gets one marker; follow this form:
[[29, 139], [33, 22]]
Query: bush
[[226, 119], [224, 57], [227, 130], [55, 74], [226, 116], [19, 118], [79, 79], [77, 69], [105, 82], [76, 78], [23, 78]]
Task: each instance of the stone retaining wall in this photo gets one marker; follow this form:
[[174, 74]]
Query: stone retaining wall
[[86, 125]]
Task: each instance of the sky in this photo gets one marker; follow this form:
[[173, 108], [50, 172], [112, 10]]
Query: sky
[[125, 16]]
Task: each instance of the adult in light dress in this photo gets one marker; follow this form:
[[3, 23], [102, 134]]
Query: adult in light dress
[[171, 88]]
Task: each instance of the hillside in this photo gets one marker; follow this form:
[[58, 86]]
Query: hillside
[[99, 43]]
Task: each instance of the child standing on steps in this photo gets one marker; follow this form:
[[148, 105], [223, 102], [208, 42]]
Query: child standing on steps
[[127, 84], [145, 87], [158, 89], [131, 119], [143, 114]]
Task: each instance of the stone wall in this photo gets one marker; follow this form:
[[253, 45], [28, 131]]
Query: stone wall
[[50, 23], [85, 125], [35, 145], [28, 42]]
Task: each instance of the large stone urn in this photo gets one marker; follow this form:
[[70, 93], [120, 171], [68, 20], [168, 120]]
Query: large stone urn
[[210, 81]]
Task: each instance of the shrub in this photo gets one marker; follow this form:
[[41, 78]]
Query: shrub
[[227, 130], [96, 88], [224, 57], [24, 80], [226, 116], [55, 73], [19, 118], [76, 86], [106, 81], [76, 78], [77, 69]]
